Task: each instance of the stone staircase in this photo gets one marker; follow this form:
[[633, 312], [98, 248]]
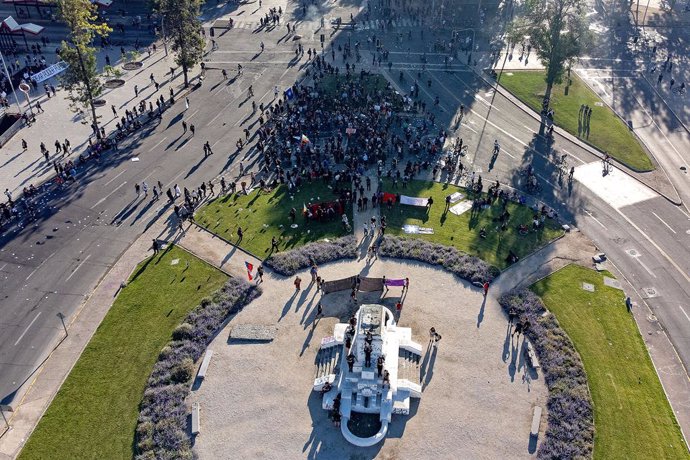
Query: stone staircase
[[408, 366], [327, 361]]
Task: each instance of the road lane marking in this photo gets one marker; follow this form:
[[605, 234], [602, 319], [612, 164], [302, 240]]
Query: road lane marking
[[78, 267], [578, 159], [194, 113], [645, 267], [683, 310], [662, 221], [595, 219], [108, 195], [658, 248], [118, 175], [508, 153], [159, 143], [39, 265], [27, 328]]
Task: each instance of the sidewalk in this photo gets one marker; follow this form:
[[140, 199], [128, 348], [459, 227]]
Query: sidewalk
[[20, 168]]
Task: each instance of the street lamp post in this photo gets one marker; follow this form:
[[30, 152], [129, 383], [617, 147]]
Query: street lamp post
[[9, 77]]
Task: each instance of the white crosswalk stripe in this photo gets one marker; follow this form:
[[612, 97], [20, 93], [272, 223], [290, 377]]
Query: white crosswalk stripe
[[374, 24]]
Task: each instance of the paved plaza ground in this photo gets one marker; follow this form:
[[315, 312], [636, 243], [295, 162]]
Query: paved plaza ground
[[256, 400]]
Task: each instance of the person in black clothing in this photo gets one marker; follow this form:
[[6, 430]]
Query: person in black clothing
[[351, 361], [379, 364]]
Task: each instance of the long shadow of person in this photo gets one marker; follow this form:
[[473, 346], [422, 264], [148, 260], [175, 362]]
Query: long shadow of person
[[430, 370], [480, 316], [288, 305], [506, 343]]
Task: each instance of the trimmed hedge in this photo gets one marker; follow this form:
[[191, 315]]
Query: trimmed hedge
[[288, 263], [570, 430], [457, 262], [161, 429]]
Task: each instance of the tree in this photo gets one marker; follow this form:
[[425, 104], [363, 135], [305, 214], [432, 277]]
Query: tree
[[181, 24], [81, 77], [559, 31]]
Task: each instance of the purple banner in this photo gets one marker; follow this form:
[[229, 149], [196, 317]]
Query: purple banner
[[395, 282]]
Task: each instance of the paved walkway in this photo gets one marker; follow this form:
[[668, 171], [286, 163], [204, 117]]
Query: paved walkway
[[19, 168], [477, 398]]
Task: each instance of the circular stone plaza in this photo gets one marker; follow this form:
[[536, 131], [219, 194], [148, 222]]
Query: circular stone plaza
[[257, 399]]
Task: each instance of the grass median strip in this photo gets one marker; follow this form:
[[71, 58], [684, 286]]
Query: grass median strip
[[606, 131], [94, 415], [462, 232], [263, 215], [632, 417]]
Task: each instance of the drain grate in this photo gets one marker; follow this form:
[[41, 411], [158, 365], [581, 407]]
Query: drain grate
[[632, 253]]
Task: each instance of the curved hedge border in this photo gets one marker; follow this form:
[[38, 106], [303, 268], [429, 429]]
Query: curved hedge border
[[161, 429], [457, 262], [288, 263], [570, 430]]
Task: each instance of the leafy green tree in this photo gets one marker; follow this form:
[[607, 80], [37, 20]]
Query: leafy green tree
[[81, 77], [181, 23], [559, 32]]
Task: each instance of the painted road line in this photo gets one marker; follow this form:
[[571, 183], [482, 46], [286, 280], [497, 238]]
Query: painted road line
[[39, 266], [193, 113], [508, 153], [595, 219], [159, 143], [108, 195], [530, 129], [118, 175], [577, 158], [78, 267], [684, 312], [662, 221], [645, 267], [27, 328], [656, 246]]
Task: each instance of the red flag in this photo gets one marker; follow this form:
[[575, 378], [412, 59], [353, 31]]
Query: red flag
[[250, 268]]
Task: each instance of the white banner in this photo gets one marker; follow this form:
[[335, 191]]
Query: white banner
[[50, 72], [413, 201]]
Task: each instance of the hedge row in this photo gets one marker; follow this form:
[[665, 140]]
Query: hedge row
[[463, 265], [161, 429], [288, 263], [570, 430]]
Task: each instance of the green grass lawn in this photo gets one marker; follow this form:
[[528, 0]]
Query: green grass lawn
[[607, 131], [462, 231], [94, 414], [263, 215], [632, 418]]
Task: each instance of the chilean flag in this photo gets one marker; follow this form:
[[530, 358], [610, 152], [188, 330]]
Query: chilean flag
[[250, 268]]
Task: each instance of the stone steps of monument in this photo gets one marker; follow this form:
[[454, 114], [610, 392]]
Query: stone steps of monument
[[327, 361], [408, 366]]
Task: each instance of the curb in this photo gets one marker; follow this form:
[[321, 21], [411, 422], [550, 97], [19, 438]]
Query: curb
[[508, 95]]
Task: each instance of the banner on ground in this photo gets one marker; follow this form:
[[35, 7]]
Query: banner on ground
[[413, 201], [461, 207], [417, 230]]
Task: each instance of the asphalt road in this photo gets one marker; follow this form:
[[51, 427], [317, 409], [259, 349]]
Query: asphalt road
[[52, 268]]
